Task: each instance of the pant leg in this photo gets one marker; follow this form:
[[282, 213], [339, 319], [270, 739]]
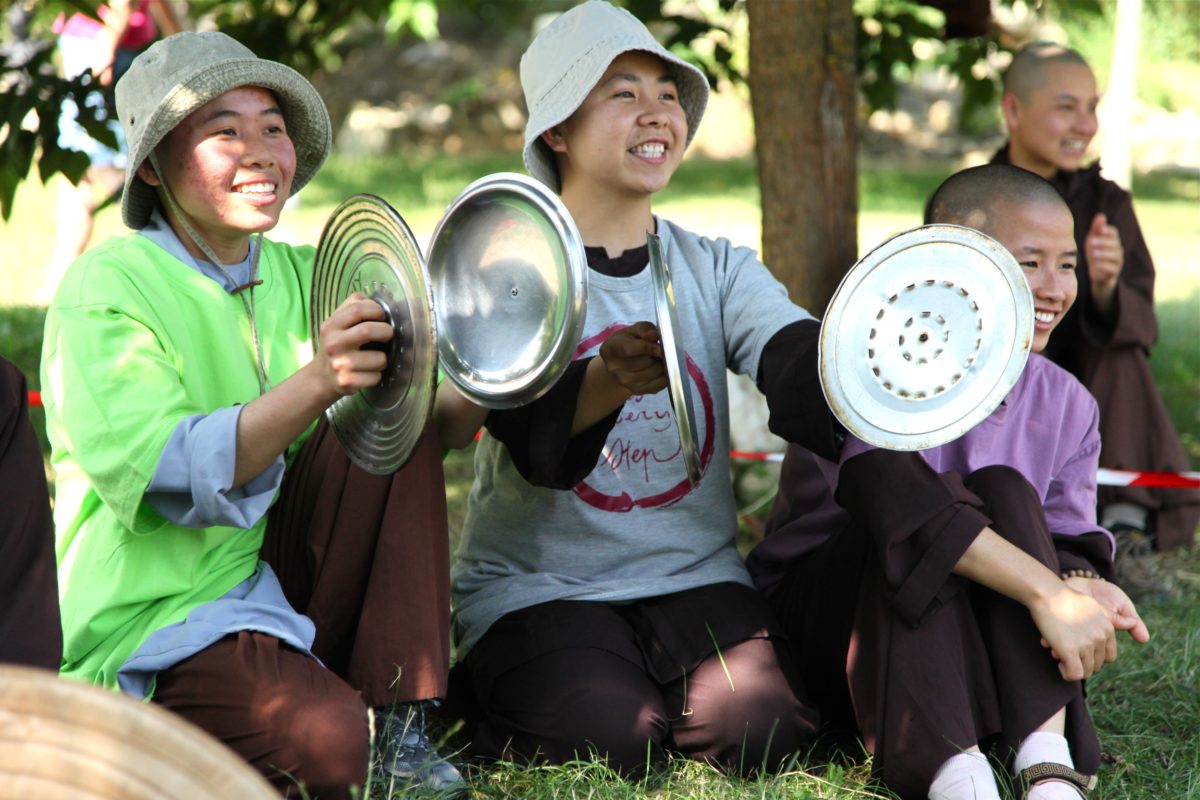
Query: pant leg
[[30, 628], [741, 709], [1028, 684], [870, 672], [292, 719], [564, 680], [367, 558]]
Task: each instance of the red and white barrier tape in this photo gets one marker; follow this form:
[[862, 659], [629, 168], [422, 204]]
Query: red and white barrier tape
[[1161, 480], [1104, 477]]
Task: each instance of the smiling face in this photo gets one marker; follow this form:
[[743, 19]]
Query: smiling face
[[1041, 237], [229, 165], [1050, 126], [627, 137]]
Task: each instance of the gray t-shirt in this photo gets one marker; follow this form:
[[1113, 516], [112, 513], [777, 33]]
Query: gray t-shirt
[[634, 527]]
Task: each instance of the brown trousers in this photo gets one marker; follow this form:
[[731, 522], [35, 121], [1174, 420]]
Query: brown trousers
[[30, 629], [972, 671], [366, 558], [697, 673]]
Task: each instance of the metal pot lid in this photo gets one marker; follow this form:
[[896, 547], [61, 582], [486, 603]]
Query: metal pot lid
[[510, 290], [925, 336], [678, 385], [366, 247]]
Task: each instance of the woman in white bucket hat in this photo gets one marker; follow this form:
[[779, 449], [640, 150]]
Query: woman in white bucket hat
[[616, 618], [213, 540]]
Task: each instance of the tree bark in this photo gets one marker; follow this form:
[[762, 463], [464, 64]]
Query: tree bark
[[802, 86]]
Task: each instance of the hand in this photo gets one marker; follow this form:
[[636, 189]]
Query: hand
[[1105, 258], [634, 358], [1078, 631], [344, 366], [1121, 611]]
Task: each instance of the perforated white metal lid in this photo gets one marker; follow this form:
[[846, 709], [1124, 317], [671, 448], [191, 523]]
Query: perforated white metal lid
[[925, 336]]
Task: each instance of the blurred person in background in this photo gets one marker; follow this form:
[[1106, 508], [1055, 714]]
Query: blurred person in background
[[104, 46], [1049, 109]]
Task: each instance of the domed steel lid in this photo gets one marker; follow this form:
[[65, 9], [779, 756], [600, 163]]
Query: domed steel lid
[[925, 336], [678, 384], [510, 290], [366, 247]]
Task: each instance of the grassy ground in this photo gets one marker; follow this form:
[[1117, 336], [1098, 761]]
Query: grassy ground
[[1147, 705]]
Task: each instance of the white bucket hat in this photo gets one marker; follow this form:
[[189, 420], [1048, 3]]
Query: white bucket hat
[[568, 58], [181, 73]]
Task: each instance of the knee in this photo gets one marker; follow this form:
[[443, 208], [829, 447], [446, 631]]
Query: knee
[[610, 718], [322, 743], [997, 484], [750, 719], [762, 732], [628, 739]]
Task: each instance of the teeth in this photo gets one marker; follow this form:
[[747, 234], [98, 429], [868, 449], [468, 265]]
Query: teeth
[[257, 188], [1044, 316], [649, 149]]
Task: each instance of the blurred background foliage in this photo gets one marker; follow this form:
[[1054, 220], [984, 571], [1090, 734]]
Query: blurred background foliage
[[459, 57]]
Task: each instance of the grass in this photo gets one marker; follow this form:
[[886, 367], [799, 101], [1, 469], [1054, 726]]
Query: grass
[[1147, 705]]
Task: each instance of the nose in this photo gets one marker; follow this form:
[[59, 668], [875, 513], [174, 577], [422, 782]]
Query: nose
[[1049, 283], [1086, 121], [654, 112], [257, 152]]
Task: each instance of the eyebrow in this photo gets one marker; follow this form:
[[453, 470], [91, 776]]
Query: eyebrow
[[666, 77], [1037, 251], [225, 113]]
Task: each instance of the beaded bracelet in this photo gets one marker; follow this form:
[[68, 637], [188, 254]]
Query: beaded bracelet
[[1081, 573]]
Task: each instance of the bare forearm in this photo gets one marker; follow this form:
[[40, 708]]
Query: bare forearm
[[998, 564], [268, 425], [599, 395], [457, 418]]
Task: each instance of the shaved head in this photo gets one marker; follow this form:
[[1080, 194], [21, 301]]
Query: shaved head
[[972, 198], [1027, 72]]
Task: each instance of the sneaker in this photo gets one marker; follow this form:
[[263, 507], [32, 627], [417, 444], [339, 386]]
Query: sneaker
[[1137, 571], [407, 754]]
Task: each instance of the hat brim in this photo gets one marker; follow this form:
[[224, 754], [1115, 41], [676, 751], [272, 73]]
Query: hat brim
[[304, 114]]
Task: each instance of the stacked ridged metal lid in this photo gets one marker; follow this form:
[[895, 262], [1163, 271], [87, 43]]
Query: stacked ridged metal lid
[[501, 303]]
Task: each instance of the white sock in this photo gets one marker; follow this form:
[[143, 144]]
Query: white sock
[[1041, 746], [966, 776]]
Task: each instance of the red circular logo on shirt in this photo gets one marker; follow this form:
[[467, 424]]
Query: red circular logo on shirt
[[625, 453]]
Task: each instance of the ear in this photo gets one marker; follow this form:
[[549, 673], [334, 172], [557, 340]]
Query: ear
[[1010, 107], [146, 172], [554, 139]]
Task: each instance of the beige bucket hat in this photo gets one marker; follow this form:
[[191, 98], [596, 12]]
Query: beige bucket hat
[[179, 74], [568, 58]]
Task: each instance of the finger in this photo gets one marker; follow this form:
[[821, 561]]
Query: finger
[[356, 360], [361, 333], [1127, 619], [1071, 668], [1098, 224], [644, 330], [643, 367], [627, 348], [1081, 664], [652, 386]]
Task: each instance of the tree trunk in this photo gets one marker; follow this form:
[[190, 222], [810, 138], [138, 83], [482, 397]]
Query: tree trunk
[[1119, 99], [802, 86]]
